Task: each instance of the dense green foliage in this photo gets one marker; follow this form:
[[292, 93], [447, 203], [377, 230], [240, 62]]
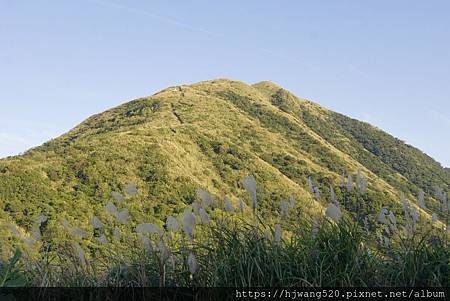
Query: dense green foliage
[[381, 153]]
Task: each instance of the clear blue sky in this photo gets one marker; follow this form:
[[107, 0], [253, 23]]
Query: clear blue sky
[[385, 62]]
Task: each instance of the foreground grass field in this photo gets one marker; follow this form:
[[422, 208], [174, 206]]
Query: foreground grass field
[[224, 244]]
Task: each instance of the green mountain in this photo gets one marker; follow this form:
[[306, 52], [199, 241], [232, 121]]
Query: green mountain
[[210, 135]]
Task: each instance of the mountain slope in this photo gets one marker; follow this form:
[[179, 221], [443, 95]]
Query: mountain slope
[[383, 154], [210, 135]]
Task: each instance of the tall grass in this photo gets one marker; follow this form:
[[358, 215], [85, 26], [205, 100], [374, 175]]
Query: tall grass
[[210, 247]]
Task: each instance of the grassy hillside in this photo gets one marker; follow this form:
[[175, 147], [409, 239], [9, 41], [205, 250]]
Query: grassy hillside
[[210, 135]]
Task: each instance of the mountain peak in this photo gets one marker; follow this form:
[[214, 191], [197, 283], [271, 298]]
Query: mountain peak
[[267, 84], [210, 135], [267, 87]]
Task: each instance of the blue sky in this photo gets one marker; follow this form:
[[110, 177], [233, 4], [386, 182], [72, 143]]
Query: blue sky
[[385, 62]]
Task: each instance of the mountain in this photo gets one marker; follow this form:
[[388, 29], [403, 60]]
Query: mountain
[[210, 135]]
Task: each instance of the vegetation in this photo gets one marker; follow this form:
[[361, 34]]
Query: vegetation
[[213, 243], [210, 135]]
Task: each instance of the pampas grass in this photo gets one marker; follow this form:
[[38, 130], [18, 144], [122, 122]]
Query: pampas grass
[[229, 249]]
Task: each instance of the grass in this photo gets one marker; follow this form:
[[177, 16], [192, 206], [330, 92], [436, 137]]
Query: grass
[[231, 250], [230, 129], [211, 135]]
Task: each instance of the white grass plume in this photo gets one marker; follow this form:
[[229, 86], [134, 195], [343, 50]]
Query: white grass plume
[[333, 212], [196, 207], [205, 197], [96, 223], [349, 183], [361, 182], [241, 206], [78, 233], [117, 196], [315, 228], [188, 223], [228, 205], [381, 218], [292, 201], [278, 233], [122, 216], [249, 183], [102, 239], [164, 251], [172, 224], [284, 208], [317, 193], [192, 264], [434, 217], [147, 228], [36, 233], [146, 243], [204, 216], [14, 230], [116, 233], [80, 254], [333, 198], [65, 224], [310, 185], [343, 180], [421, 200], [41, 219], [131, 189], [111, 209]]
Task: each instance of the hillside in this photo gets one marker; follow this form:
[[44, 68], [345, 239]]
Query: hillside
[[210, 135]]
